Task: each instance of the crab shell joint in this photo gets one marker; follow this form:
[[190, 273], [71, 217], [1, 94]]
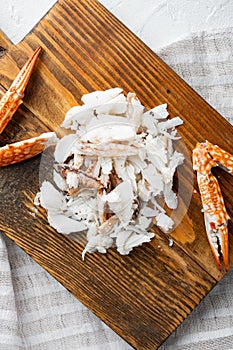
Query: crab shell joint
[[20, 151]]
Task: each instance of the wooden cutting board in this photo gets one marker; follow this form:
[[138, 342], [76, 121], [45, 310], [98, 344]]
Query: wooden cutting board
[[146, 295]]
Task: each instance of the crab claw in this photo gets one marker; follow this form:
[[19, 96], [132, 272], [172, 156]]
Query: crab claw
[[218, 239], [20, 151], [215, 216], [13, 97], [205, 157]]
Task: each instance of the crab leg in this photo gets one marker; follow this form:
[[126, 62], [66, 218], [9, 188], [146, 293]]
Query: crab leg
[[13, 97], [206, 156], [20, 151]]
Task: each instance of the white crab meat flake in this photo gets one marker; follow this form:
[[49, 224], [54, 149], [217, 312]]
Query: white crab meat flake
[[120, 201], [112, 172], [111, 133]]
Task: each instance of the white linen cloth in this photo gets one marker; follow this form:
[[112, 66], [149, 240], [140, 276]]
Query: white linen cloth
[[37, 313]]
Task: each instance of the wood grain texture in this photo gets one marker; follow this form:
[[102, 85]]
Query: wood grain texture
[[146, 295]]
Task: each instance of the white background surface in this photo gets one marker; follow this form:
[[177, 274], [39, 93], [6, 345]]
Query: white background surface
[[156, 22]]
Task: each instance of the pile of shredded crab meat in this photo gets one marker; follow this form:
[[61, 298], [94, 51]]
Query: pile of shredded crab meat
[[112, 171]]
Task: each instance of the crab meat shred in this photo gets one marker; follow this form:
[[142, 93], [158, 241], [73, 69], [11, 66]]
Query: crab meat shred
[[111, 174]]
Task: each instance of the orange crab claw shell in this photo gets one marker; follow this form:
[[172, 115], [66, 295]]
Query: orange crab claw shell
[[224, 245], [20, 151], [13, 97], [205, 156], [216, 256], [21, 81], [212, 238], [202, 161], [218, 239], [220, 156]]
